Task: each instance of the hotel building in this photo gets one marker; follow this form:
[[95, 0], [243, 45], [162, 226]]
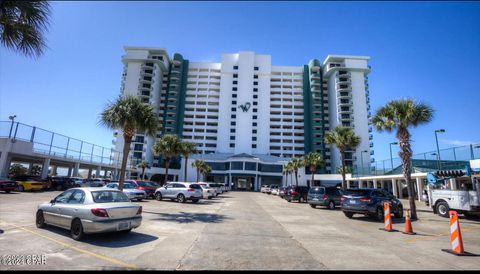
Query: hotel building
[[247, 116]]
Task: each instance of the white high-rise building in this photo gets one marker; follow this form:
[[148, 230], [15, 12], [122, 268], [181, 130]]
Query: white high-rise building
[[248, 117]]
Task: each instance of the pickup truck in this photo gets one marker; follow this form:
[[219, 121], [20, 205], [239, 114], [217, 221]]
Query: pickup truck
[[466, 202]]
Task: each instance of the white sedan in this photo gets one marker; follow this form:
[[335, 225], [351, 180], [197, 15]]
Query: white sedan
[[90, 210]]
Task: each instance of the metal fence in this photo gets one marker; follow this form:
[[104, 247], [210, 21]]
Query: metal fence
[[51, 143], [449, 158]]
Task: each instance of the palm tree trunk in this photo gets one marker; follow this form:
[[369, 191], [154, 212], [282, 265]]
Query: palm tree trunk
[[167, 164], [198, 174], [296, 177], [143, 173], [342, 156], [406, 154], [126, 149], [186, 160], [291, 178]]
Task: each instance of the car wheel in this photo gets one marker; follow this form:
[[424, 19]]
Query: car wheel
[[7, 191], [348, 214], [301, 200], [399, 213], [139, 200], [195, 201], [181, 198], [21, 188], [125, 231], [331, 205], [158, 196], [40, 220], [442, 209], [210, 197], [379, 214], [76, 231], [313, 206]]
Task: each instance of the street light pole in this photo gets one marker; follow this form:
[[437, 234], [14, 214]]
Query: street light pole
[[11, 127], [391, 157], [438, 150]]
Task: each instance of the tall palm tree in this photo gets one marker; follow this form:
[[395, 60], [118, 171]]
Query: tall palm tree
[[296, 163], [289, 170], [36, 170], [22, 24], [344, 139], [187, 149], [143, 165], [313, 160], [168, 146], [205, 170], [129, 115], [400, 115], [198, 164]]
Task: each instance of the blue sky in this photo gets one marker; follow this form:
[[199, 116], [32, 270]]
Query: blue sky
[[425, 50]]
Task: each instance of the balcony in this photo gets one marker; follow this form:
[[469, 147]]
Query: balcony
[[343, 87], [342, 95], [349, 111]]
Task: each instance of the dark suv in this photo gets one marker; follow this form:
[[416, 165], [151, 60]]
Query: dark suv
[[62, 183], [324, 196], [370, 202], [297, 193]]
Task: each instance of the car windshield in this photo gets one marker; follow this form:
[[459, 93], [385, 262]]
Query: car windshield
[[356, 192], [143, 184], [109, 197], [317, 190], [128, 186]]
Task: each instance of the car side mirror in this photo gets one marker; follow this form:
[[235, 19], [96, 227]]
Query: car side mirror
[[52, 201]]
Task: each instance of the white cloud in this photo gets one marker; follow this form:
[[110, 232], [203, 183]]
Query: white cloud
[[458, 142]]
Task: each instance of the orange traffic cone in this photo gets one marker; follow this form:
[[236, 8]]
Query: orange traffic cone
[[387, 217], [456, 237], [408, 224]]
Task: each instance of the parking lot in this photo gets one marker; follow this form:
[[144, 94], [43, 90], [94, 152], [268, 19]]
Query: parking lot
[[237, 230]]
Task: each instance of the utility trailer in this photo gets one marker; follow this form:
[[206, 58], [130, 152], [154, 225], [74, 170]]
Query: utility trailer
[[466, 202]]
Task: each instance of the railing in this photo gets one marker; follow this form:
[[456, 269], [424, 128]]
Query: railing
[[58, 145], [450, 159]]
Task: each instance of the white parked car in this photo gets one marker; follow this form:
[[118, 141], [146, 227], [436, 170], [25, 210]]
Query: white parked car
[[180, 191], [90, 210], [130, 190], [274, 189], [208, 192], [264, 188]]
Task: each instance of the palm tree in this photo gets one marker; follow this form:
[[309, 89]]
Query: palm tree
[[130, 115], [143, 165], [400, 115], [17, 169], [36, 170], [168, 146], [186, 149], [205, 170], [22, 24], [289, 170], [344, 139], [198, 164], [313, 160], [296, 163]]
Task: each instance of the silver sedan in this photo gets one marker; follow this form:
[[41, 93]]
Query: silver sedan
[[90, 210], [130, 190]]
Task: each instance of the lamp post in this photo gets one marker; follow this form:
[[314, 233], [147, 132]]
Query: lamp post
[[435, 154], [438, 150], [12, 117], [391, 157], [361, 156]]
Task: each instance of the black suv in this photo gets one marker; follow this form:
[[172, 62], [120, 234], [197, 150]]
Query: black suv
[[370, 202], [61, 183], [324, 196], [297, 193]]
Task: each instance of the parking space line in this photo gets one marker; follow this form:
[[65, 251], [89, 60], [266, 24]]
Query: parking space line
[[98, 256]]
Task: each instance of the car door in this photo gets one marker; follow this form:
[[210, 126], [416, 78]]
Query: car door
[[71, 209], [53, 214], [337, 196], [177, 189], [166, 190]]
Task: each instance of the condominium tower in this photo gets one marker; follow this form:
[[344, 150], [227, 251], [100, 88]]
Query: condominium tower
[[248, 117]]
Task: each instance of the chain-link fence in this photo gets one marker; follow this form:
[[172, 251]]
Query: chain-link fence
[[51, 143]]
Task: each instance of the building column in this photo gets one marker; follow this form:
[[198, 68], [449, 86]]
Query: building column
[[89, 173], [394, 188], [348, 184], [30, 167], [382, 184], [54, 170], [75, 169], [45, 166], [400, 188], [419, 187], [69, 171], [98, 171], [375, 184]]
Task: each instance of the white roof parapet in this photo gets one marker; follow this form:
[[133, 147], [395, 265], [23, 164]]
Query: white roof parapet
[[383, 177], [329, 57]]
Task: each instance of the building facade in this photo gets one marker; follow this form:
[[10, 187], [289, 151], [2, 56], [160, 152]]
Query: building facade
[[247, 116]]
